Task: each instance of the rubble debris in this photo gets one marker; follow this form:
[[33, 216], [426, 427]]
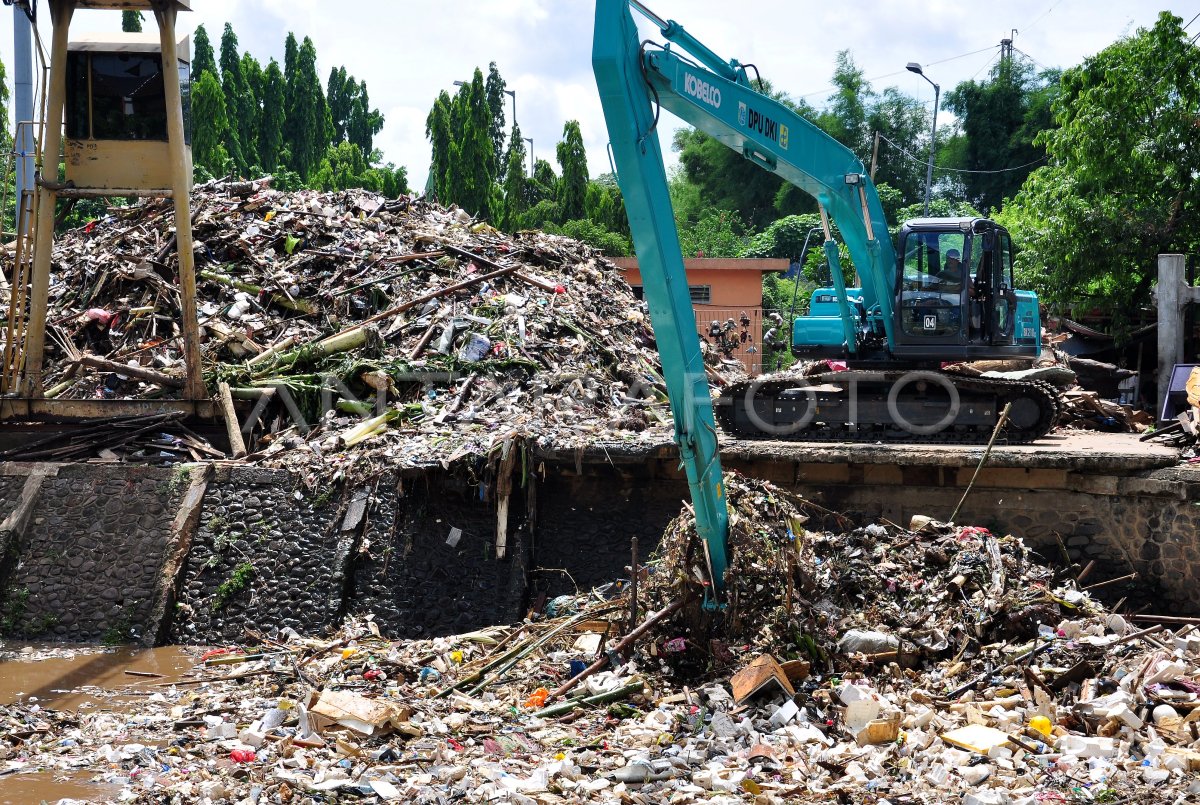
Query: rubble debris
[[319, 310], [917, 662]]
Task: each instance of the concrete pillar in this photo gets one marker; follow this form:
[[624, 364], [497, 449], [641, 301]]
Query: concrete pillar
[[1172, 293]]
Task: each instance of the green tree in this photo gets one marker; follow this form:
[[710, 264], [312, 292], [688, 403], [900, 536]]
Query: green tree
[[514, 181], [717, 233], [254, 80], [544, 184], [845, 117], [1121, 183], [237, 102], [339, 92], [471, 177], [573, 160], [131, 21], [612, 244], [604, 204], [1000, 119], [544, 215], [904, 121], [494, 89], [437, 131], [203, 58], [208, 141], [291, 67], [343, 167], [786, 237], [308, 127], [364, 122], [458, 131], [393, 181], [270, 125]]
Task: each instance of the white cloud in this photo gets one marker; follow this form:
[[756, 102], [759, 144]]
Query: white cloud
[[409, 50]]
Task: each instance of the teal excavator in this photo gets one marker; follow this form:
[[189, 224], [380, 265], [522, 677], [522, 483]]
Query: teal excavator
[[943, 293]]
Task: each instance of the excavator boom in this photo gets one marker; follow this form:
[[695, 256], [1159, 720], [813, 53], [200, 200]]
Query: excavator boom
[[631, 118], [950, 298]]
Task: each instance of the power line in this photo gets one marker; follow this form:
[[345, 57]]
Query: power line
[[1026, 55], [922, 161], [897, 72], [986, 64], [1044, 14]]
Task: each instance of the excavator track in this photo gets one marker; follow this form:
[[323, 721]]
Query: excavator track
[[916, 406]]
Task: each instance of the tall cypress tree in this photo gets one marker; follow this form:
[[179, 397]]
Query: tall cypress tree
[[473, 162], [364, 122], [339, 91], [241, 135], [573, 160], [310, 128], [252, 75], [495, 101], [437, 131], [514, 181], [270, 126], [208, 140], [203, 57], [131, 21], [291, 58]]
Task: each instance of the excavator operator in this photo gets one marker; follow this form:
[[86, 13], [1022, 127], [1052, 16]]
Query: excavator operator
[[950, 278]]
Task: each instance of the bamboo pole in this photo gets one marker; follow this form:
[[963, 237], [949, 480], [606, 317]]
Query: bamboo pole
[[982, 461], [140, 372], [624, 643], [237, 445]]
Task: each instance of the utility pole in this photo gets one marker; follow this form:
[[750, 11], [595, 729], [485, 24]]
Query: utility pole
[[1006, 47], [23, 109]]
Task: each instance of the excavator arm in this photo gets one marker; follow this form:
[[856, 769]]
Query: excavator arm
[[716, 97], [631, 118], [636, 80]]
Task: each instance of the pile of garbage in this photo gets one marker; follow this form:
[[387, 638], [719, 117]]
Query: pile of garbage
[[880, 664], [338, 319]]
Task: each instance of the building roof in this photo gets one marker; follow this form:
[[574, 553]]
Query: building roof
[[760, 264]]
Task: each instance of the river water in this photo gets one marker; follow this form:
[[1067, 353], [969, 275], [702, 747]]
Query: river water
[[77, 679]]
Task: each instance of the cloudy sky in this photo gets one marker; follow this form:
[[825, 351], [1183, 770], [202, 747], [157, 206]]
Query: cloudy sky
[[407, 51]]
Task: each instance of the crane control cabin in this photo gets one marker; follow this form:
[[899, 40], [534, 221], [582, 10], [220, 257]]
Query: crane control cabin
[[115, 108]]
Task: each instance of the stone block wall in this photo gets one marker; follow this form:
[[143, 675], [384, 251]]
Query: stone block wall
[[266, 554], [418, 577], [91, 552], [587, 521]]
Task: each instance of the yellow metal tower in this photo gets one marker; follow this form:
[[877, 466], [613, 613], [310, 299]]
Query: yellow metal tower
[[122, 99]]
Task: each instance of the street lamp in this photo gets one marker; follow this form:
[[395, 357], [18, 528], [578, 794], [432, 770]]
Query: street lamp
[[513, 93], [509, 92], [530, 141], [913, 67]]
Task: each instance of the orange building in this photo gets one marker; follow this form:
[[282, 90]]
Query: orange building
[[722, 289]]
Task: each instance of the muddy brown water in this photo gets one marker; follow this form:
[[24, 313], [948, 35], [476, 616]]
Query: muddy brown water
[[82, 679]]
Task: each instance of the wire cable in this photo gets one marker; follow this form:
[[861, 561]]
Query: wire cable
[[653, 91], [986, 65], [943, 168], [899, 72], [1043, 16], [1026, 55]]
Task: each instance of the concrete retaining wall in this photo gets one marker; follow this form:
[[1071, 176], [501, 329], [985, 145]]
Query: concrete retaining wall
[[94, 552]]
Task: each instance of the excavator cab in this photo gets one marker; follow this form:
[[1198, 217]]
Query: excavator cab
[[954, 289]]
